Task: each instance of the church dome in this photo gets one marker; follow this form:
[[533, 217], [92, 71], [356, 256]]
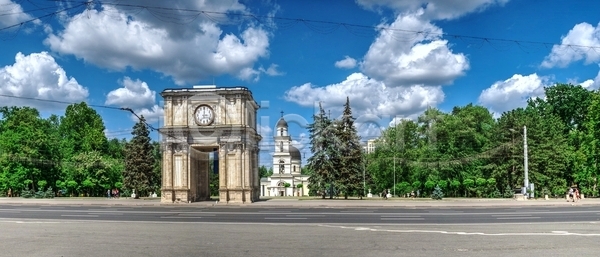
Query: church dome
[[295, 153], [281, 123]]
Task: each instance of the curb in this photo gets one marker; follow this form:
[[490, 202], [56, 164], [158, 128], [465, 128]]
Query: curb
[[305, 204]]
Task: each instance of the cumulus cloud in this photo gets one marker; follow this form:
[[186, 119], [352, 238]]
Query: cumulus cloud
[[133, 94], [39, 76], [583, 34], [401, 58], [152, 114], [370, 99], [124, 38], [513, 93], [592, 84], [434, 9], [273, 70], [347, 63], [136, 94], [302, 143], [12, 14]]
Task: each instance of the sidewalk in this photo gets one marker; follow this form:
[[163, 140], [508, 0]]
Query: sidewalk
[[292, 202]]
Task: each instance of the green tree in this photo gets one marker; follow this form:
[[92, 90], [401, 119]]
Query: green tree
[[27, 149], [349, 172], [265, 172], [82, 130], [139, 160], [325, 153]]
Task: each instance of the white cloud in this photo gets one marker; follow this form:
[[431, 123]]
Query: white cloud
[[570, 50], [12, 14], [151, 115], [265, 131], [272, 70], [401, 58], [434, 9], [189, 51], [592, 84], [513, 93], [302, 143], [134, 94], [370, 99], [347, 63], [39, 76]]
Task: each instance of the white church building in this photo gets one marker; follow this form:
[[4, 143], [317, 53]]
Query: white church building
[[287, 163]]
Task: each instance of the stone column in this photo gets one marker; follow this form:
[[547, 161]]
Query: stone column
[[223, 173], [181, 175], [166, 190]]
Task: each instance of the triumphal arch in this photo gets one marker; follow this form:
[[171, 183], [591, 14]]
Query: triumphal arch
[[206, 121]]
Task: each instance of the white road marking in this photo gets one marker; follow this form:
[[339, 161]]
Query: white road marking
[[79, 215], [285, 218], [516, 218], [551, 233], [180, 217], [196, 214], [103, 213], [511, 215], [10, 211], [402, 218], [408, 216], [305, 215]]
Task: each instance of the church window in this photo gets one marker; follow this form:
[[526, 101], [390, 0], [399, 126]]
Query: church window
[[281, 146], [281, 167]]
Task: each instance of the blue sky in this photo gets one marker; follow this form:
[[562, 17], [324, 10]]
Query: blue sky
[[392, 58]]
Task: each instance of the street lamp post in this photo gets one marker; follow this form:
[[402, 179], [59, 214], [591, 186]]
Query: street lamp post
[[394, 174], [525, 162], [364, 169]]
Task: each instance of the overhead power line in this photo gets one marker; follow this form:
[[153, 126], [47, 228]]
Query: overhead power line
[[57, 101], [91, 105], [43, 16], [187, 15]]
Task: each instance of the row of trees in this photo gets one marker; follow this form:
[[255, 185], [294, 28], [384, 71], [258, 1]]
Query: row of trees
[[468, 152], [72, 154]]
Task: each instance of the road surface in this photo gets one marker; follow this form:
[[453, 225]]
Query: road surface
[[309, 215]]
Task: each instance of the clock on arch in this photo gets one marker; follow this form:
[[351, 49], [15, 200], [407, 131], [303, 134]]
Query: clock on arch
[[204, 115]]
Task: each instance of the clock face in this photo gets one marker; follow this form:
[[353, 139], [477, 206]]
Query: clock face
[[204, 115]]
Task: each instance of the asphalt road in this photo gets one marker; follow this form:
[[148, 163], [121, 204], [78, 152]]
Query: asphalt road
[[313, 215], [147, 239]]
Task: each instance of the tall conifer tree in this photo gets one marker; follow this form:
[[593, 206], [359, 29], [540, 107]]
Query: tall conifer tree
[[350, 170], [139, 160], [323, 146]]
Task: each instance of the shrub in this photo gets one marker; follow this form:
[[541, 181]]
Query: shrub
[[49, 193], [495, 194], [437, 193], [27, 193], [508, 192]]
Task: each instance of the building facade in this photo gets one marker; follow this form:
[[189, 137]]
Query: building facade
[[287, 179], [206, 120]]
